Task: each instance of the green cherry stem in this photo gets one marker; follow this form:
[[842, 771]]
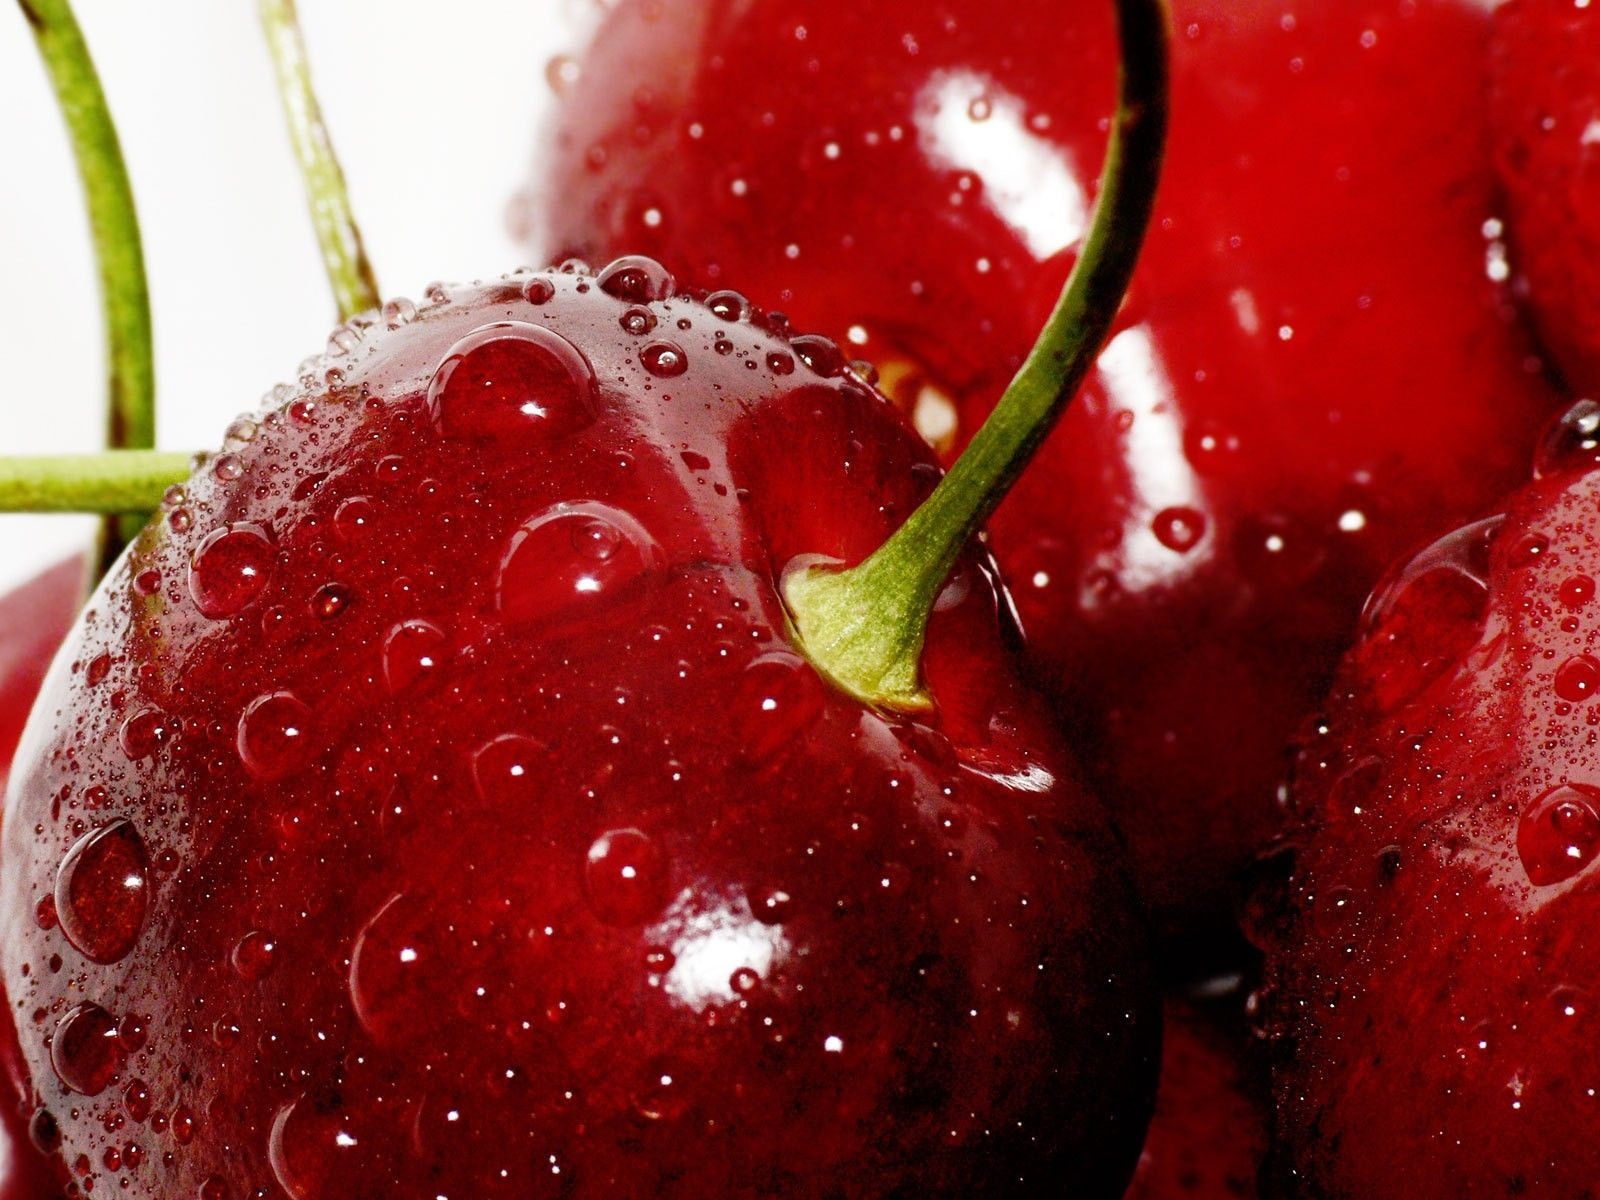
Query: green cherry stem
[[110, 482], [864, 626], [113, 221], [344, 257]]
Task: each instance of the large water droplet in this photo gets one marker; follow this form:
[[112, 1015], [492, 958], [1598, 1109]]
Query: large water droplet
[[304, 1146], [778, 698], [515, 381], [253, 955], [1577, 678], [1462, 553], [274, 735], [637, 279], [570, 557], [1571, 442], [413, 651], [625, 876], [230, 568], [85, 1050], [101, 893], [1559, 833], [398, 982]]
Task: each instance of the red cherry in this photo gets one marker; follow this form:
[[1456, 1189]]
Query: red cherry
[[1547, 146], [1312, 375], [548, 865], [1438, 944]]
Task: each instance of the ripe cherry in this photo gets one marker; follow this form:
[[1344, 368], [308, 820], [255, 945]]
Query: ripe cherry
[[1312, 375], [1432, 992], [1547, 146], [544, 863]]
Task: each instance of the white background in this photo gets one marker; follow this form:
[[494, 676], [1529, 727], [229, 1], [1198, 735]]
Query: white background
[[433, 108]]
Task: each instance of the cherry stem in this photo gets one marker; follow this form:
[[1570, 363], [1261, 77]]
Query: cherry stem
[[110, 482], [344, 257], [864, 626], [114, 229]]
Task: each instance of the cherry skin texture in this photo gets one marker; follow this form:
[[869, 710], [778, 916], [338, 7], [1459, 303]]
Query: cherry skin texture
[[1208, 1135], [36, 617], [1547, 100], [1434, 988], [1312, 374], [491, 838]]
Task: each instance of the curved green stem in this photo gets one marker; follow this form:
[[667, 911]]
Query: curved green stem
[[112, 482], [344, 257], [864, 627]]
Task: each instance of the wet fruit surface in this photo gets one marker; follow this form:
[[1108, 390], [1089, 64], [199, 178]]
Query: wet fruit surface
[[1547, 146], [489, 837], [1444, 883], [1315, 372]]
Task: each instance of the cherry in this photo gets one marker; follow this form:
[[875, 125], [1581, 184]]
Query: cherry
[[1432, 989], [1546, 96], [36, 617], [1311, 376], [1208, 1136], [544, 862]]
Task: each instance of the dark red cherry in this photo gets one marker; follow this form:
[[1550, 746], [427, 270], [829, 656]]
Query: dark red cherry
[[1314, 373], [546, 864], [1547, 147], [1433, 986]]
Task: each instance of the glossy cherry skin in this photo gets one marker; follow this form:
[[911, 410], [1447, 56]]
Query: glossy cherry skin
[[1433, 990], [491, 838], [35, 617], [1209, 1133], [1547, 146], [1311, 376]]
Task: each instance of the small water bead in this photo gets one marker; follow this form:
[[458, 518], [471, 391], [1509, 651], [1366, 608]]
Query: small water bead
[[780, 363], [1559, 833], [772, 906], [1180, 528], [101, 892], [214, 1188], [636, 278], [230, 568], [512, 380], [1576, 591], [561, 72], [1571, 442], [342, 341], [352, 520], [136, 1101], [303, 1148], [538, 290], [412, 653], [85, 1051], [638, 321], [399, 312], [44, 1132], [570, 556], [147, 582], [45, 915], [664, 359], [625, 877], [744, 980], [274, 736], [510, 769], [728, 306], [253, 955], [146, 732], [663, 1093], [227, 467], [778, 698], [820, 353], [1577, 678], [329, 600]]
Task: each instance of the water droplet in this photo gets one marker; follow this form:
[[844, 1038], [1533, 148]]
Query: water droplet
[[227, 467], [561, 72], [274, 736], [304, 1146], [1180, 528], [665, 359], [353, 519], [637, 279], [1576, 591], [101, 893], [1559, 833], [663, 1092], [399, 981], [1571, 442], [413, 651], [510, 769], [252, 955], [398, 312], [778, 698], [1463, 553], [329, 600], [1577, 678], [571, 556], [638, 321], [819, 353], [772, 906], [146, 732], [744, 980], [230, 568], [136, 1101], [538, 290], [85, 1051], [780, 363], [625, 876], [512, 381], [728, 306]]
